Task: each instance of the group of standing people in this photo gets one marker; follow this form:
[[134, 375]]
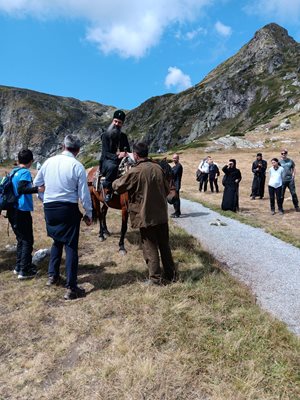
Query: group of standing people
[[61, 183], [281, 176]]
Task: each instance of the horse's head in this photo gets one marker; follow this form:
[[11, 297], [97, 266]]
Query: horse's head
[[125, 164], [166, 168], [169, 175]]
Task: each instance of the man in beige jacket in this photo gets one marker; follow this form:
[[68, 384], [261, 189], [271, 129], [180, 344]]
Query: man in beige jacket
[[147, 189]]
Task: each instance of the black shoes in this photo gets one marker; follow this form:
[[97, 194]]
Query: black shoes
[[175, 215], [31, 273], [75, 293], [56, 281]]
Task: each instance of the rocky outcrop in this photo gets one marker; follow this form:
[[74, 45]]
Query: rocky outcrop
[[246, 90], [40, 121]]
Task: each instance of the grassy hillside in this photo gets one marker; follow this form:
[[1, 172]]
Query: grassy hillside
[[201, 338]]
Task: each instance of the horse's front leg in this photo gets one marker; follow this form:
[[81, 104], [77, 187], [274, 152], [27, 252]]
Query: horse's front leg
[[122, 249], [103, 227]]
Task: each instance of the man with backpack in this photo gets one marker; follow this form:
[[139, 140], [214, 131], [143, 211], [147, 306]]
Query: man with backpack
[[19, 215]]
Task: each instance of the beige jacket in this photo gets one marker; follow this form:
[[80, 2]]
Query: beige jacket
[[147, 190]]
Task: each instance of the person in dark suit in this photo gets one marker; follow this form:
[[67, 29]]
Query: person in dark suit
[[177, 171], [115, 146], [259, 167], [231, 180]]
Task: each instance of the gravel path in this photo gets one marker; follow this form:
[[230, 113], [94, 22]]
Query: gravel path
[[269, 266]]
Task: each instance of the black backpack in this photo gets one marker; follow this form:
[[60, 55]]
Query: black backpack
[[8, 199]]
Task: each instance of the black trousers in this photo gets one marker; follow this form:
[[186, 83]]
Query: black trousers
[[110, 171], [213, 182], [203, 181], [176, 204], [155, 240], [63, 226], [21, 223], [278, 193]]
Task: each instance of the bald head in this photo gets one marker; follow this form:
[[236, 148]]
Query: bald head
[[175, 158]]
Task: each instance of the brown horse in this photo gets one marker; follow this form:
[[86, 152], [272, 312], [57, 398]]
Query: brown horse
[[119, 202], [100, 207]]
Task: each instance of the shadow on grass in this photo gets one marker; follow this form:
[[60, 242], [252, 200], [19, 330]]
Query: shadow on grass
[[7, 260], [103, 280]]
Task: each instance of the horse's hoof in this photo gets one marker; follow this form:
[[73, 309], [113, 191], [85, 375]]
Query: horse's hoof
[[106, 233], [102, 238], [122, 252]]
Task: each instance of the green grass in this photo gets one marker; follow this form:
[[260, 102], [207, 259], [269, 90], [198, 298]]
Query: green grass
[[201, 338]]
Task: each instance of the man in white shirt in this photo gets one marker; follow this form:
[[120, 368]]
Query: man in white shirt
[[65, 183], [276, 173], [204, 168]]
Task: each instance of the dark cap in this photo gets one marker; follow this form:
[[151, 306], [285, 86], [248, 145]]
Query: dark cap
[[119, 114], [259, 154]]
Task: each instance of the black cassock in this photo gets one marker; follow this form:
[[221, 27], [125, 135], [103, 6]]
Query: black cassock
[[230, 199]]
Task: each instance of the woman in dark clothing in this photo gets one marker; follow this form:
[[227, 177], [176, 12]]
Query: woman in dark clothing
[[231, 182]]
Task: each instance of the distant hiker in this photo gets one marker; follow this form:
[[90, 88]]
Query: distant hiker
[[20, 216], [231, 182], [147, 189], [115, 146], [213, 174], [288, 179], [276, 173], [65, 183], [259, 167], [203, 167], [177, 171]]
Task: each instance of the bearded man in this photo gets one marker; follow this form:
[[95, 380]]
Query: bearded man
[[115, 146]]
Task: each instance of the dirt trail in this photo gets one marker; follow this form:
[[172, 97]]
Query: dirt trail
[[269, 266]]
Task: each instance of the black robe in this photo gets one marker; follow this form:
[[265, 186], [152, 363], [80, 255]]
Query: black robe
[[230, 199], [259, 168]]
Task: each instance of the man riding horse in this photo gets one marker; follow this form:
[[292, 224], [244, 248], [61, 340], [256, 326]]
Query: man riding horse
[[115, 146]]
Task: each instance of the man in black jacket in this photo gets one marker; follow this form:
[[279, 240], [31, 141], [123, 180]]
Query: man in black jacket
[[115, 146], [177, 171]]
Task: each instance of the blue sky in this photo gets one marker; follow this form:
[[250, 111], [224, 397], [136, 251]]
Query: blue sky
[[121, 53]]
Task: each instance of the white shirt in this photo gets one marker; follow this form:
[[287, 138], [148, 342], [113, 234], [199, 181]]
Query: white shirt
[[64, 178], [204, 166], [276, 175]]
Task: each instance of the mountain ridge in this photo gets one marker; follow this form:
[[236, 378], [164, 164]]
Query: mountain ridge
[[259, 82]]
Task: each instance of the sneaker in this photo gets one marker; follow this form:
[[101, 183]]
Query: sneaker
[[16, 271], [27, 274], [297, 209], [56, 281], [72, 294], [252, 197], [273, 212], [281, 212]]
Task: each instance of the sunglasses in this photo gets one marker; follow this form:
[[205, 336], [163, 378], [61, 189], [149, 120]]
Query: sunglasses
[[283, 154]]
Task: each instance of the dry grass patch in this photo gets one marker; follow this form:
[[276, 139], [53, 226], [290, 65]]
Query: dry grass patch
[[201, 338]]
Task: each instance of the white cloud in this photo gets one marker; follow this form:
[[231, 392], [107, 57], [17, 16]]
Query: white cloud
[[284, 10], [190, 35], [222, 29], [128, 28], [177, 79]]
